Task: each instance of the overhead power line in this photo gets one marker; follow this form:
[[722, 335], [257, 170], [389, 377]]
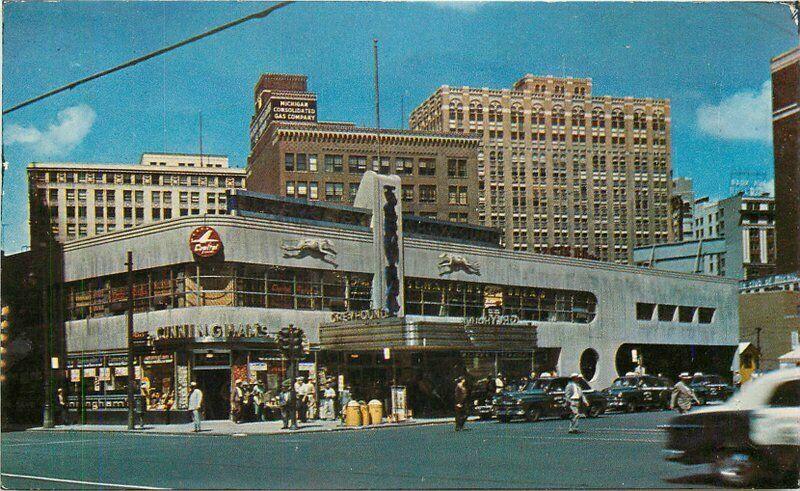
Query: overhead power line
[[136, 61]]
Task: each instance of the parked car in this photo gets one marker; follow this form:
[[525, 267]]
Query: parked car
[[636, 392], [753, 437], [544, 397], [709, 387], [483, 398]]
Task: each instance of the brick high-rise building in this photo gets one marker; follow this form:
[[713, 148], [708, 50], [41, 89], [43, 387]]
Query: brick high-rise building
[[293, 155], [786, 141], [91, 199], [562, 170]]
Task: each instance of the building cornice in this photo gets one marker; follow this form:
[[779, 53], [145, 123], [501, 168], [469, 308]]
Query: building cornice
[[785, 59], [353, 134], [143, 169]]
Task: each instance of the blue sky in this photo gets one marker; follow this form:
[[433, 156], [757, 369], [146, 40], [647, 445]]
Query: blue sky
[[710, 60]]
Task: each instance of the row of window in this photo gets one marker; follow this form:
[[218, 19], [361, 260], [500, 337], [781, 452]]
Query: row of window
[[674, 313], [139, 178], [227, 284], [357, 164]]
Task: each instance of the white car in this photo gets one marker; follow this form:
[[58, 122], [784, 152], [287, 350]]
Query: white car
[[753, 437]]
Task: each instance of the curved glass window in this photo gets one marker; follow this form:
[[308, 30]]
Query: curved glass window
[[220, 284], [461, 299]]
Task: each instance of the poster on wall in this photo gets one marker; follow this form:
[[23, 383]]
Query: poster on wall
[[75, 375], [121, 371]]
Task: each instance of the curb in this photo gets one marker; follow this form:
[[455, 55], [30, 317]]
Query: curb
[[245, 433]]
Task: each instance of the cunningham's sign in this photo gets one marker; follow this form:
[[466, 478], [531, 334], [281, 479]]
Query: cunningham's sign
[[217, 331]]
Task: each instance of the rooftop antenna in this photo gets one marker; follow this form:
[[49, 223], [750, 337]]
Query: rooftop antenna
[[201, 138], [402, 111], [377, 102]]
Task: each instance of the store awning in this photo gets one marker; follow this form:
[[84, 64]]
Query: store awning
[[790, 357], [401, 333], [739, 351]]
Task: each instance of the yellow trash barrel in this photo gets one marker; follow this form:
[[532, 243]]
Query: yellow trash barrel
[[364, 413], [375, 411], [352, 414]]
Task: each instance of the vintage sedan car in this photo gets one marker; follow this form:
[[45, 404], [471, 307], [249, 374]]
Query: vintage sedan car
[[753, 437], [636, 392], [708, 388], [545, 397]]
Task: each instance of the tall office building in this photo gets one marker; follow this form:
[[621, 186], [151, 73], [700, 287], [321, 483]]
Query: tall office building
[[786, 141], [84, 200], [561, 170], [294, 155]]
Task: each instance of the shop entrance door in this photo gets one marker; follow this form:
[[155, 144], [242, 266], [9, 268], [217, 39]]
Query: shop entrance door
[[216, 386]]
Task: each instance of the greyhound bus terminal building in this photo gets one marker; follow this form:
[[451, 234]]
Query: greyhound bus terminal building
[[384, 299]]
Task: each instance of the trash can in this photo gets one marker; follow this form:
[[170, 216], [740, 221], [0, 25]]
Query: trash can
[[352, 414], [375, 411], [364, 413]]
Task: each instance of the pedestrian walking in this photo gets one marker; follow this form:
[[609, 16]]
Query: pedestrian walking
[[300, 399], [499, 384], [196, 405], [140, 405], [328, 401], [461, 396], [574, 396], [63, 406], [682, 395], [260, 401], [311, 399], [237, 399], [345, 396], [286, 403]]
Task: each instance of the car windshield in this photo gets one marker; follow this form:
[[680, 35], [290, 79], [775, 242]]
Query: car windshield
[[707, 379], [625, 382], [537, 385]]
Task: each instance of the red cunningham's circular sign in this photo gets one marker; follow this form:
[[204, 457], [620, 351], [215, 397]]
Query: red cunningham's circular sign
[[204, 242]]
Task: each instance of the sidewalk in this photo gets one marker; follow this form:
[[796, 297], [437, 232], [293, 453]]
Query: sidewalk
[[226, 427]]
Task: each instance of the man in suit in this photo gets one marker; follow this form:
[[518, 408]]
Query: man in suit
[[461, 395]]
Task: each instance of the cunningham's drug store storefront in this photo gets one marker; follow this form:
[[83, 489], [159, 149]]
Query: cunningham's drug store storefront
[[383, 299]]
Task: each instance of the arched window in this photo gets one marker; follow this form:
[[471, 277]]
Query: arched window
[[578, 117], [639, 120], [617, 119], [475, 111], [558, 118], [537, 115], [516, 114], [456, 112], [598, 118], [495, 112], [659, 121]]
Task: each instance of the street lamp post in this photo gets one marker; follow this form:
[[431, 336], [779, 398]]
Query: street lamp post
[[131, 374]]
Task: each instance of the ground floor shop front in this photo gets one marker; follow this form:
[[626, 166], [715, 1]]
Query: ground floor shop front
[[97, 383]]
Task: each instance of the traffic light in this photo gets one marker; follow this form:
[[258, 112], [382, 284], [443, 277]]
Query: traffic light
[[284, 340], [297, 341], [4, 323]]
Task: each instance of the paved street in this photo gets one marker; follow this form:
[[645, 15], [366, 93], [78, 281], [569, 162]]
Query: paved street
[[614, 451]]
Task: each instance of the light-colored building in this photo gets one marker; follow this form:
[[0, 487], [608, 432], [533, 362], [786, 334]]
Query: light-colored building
[[768, 320], [734, 237], [383, 297], [561, 170], [88, 199]]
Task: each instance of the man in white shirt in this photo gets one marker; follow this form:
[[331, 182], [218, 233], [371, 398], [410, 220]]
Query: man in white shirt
[[195, 405], [573, 395], [499, 384]]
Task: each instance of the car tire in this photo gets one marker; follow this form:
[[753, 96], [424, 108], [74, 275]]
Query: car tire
[[533, 414], [736, 468], [594, 411], [630, 407]]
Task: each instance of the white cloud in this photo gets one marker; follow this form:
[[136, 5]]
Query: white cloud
[[71, 127], [765, 187], [746, 115]]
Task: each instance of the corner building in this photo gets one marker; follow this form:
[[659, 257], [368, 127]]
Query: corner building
[[295, 156], [445, 299], [563, 171]]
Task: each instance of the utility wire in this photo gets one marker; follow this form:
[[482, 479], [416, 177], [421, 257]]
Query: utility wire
[[135, 61]]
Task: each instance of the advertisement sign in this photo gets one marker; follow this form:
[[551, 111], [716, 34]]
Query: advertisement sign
[[75, 375], [121, 371], [399, 407], [293, 110], [104, 374], [204, 242], [363, 315]]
